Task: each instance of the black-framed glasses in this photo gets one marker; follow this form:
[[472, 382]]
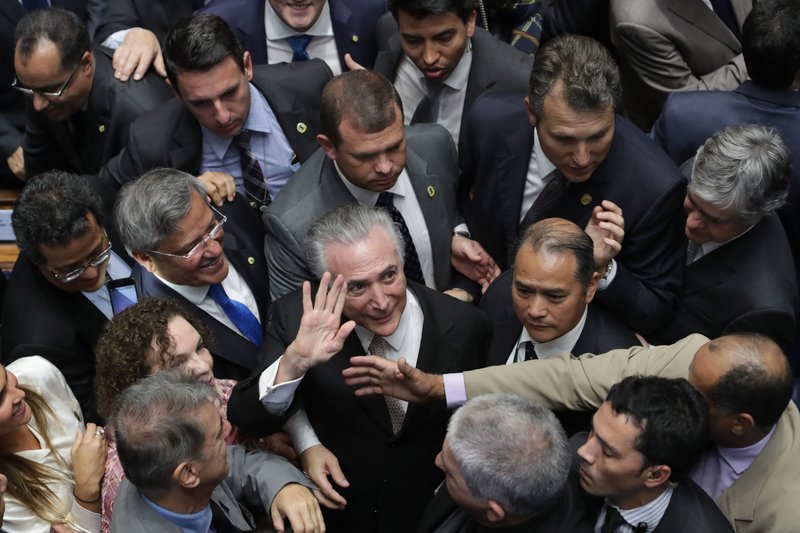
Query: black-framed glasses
[[52, 94], [201, 244], [94, 262]]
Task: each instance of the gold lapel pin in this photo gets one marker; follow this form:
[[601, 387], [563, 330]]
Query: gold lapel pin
[[101, 128], [431, 191], [355, 38], [586, 199], [301, 127], [251, 260]]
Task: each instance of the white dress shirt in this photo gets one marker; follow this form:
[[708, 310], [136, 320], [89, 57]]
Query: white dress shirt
[[322, 45], [545, 350]]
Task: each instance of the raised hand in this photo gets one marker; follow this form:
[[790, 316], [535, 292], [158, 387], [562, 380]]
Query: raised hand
[[469, 258], [607, 230]]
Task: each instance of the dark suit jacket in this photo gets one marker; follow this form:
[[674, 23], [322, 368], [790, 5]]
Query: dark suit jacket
[[392, 478], [689, 118], [317, 189], [234, 356], [155, 15], [111, 108], [747, 285], [569, 514], [635, 174], [353, 22], [12, 102], [495, 65], [170, 136]]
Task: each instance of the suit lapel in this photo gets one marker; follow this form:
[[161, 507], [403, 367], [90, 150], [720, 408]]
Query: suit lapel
[[504, 337], [252, 268], [187, 153], [704, 19], [512, 170], [343, 34], [387, 61]]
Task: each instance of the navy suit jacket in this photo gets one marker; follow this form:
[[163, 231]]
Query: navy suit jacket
[[111, 108], [353, 21], [155, 15], [234, 356], [689, 118], [635, 174], [392, 477], [170, 136]]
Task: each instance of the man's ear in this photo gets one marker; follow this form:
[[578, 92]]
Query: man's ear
[[658, 475], [494, 512], [185, 475], [743, 423], [247, 63], [146, 260], [591, 289], [531, 114], [327, 146]]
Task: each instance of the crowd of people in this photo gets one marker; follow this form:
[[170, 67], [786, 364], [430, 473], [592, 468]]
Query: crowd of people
[[435, 266]]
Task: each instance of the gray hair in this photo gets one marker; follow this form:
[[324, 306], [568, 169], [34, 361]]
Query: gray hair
[[511, 450], [591, 80], [149, 209], [347, 225], [743, 167], [156, 428]]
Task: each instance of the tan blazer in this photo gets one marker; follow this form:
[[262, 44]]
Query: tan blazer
[[673, 45], [765, 499]]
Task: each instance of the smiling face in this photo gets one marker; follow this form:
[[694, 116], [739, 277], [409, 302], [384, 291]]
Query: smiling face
[[376, 285], [14, 411], [436, 42], [299, 15], [188, 353], [576, 142], [219, 98], [206, 267]]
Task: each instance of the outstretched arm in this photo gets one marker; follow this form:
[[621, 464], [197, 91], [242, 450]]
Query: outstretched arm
[[378, 375]]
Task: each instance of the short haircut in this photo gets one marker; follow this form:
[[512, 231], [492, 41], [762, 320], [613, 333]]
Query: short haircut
[[511, 450], [124, 351], [347, 225], [591, 80], [672, 416], [149, 209], [362, 97], [157, 428], [746, 168], [420, 9], [552, 236], [63, 28], [751, 386], [771, 43], [52, 209], [199, 43]]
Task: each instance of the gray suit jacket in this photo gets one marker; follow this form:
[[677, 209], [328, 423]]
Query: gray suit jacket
[[254, 478], [673, 45], [762, 500], [317, 189]]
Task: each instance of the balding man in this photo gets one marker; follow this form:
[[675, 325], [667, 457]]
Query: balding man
[[752, 470]]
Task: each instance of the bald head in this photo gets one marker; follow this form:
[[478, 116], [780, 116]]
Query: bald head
[[553, 236]]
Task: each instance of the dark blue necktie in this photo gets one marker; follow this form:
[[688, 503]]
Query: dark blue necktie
[[238, 313], [724, 11], [30, 5], [411, 265], [299, 43]]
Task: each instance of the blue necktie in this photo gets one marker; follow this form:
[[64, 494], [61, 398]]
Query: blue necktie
[[299, 43], [238, 313]]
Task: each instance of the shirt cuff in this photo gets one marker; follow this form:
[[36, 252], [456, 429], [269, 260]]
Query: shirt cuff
[[114, 40], [605, 282], [455, 391], [276, 399], [303, 435]]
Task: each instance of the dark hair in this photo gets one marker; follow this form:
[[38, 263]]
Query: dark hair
[[750, 386], [420, 9], [673, 418], [52, 210], [64, 28], [771, 43], [366, 99], [199, 42], [557, 236], [124, 351], [591, 80]]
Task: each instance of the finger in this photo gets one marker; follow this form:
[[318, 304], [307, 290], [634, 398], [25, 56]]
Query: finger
[[611, 243], [334, 293], [324, 500], [277, 519], [613, 229], [130, 64], [335, 471], [404, 368], [611, 206], [142, 66], [299, 521], [322, 291], [344, 331], [369, 390], [351, 63], [340, 295], [158, 65], [307, 297], [321, 480]]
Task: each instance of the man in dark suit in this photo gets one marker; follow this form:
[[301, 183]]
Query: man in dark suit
[[209, 260], [739, 274], [439, 62], [57, 303], [577, 156], [267, 28], [239, 136], [367, 157], [386, 452], [506, 462], [78, 114]]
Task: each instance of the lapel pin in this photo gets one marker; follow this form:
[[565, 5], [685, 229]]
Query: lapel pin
[[586, 199], [431, 191], [301, 127], [355, 38], [251, 260], [101, 128]]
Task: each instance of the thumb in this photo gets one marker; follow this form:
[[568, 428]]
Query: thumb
[[337, 474]]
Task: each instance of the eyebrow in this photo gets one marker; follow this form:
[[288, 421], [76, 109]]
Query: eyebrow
[[209, 226]]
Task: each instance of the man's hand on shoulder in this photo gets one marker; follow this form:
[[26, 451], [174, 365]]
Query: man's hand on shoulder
[[136, 54], [378, 375]]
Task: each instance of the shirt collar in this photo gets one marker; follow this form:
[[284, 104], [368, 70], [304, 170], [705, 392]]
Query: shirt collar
[[278, 29], [543, 164], [709, 247], [650, 513], [402, 187], [257, 120], [740, 459], [564, 343], [198, 522]]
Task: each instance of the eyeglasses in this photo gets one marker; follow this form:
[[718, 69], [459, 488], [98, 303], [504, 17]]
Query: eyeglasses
[[52, 94], [201, 244], [94, 262]]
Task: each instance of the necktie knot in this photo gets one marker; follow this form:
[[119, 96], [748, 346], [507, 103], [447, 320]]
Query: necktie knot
[[612, 521], [530, 351], [299, 43]]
